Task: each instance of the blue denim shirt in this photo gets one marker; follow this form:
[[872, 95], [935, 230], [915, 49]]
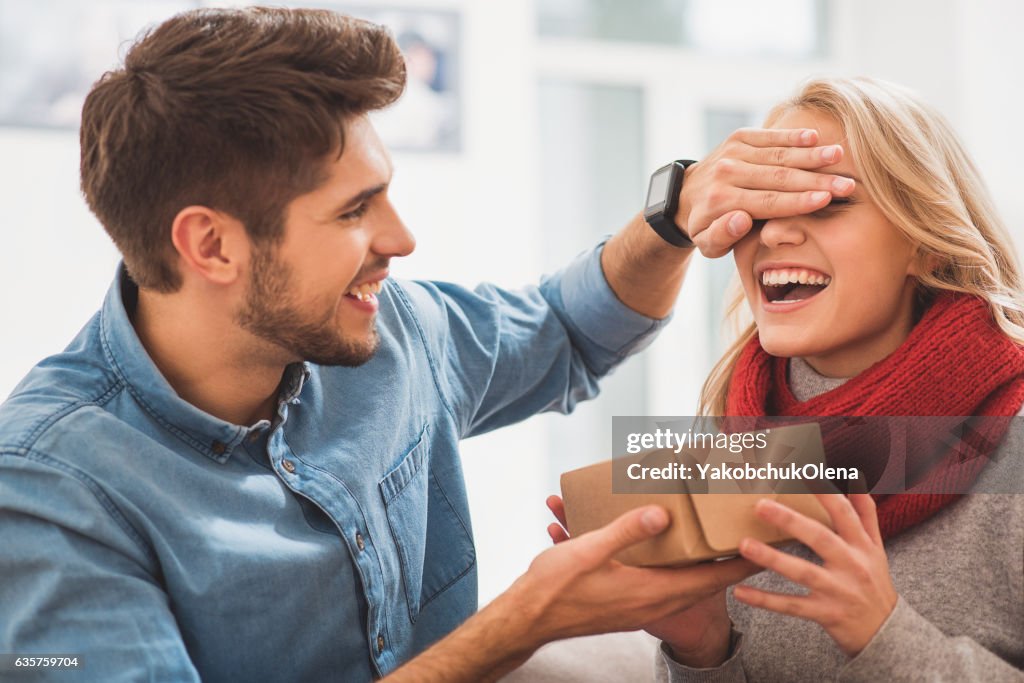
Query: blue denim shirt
[[333, 543]]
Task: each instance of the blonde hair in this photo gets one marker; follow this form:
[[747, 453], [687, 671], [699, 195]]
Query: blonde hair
[[915, 169]]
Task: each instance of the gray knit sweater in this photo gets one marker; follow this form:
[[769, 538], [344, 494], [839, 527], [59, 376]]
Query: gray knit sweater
[[960, 615]]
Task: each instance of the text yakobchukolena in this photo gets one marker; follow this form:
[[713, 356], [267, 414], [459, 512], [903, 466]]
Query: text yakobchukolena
[[882, 455]]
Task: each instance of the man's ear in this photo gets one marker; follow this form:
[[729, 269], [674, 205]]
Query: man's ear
[[210, 243]]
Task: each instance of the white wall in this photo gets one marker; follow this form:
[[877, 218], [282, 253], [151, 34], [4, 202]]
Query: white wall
[[56, 261], [989, 88]]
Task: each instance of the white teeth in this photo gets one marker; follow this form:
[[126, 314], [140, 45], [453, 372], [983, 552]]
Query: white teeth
[[366, 291], [782, 276]]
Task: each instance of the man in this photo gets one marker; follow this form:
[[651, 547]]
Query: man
[[245, 467]]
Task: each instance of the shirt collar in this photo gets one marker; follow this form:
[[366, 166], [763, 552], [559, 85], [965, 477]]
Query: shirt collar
[[209, 435]]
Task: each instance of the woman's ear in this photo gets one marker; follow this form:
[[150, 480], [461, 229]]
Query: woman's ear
[[923, 263]]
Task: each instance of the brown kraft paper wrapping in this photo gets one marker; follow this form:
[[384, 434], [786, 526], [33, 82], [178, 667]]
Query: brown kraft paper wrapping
[[708, 517]]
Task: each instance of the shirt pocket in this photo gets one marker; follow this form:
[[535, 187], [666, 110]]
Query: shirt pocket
[[435, 547]]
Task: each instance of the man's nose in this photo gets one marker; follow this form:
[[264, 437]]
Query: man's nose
[[393, 237]]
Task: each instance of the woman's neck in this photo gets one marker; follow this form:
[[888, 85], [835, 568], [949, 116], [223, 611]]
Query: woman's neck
[[806, 383]]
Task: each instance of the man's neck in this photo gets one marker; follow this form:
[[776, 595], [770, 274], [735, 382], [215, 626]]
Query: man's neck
[[200, 354]]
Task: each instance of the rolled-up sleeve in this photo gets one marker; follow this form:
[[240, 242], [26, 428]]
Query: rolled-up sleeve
[[503, 355], [604, 329]]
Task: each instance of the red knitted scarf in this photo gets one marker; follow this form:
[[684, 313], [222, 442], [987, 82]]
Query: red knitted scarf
[[955, 362]]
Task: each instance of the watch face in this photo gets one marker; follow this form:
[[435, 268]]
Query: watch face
[[658, 190]]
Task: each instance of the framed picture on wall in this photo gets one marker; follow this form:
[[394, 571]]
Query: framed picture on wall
[[427, 118], [52, 51]]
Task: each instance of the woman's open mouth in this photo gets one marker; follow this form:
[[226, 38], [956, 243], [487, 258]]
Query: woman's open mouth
[[787, 286]]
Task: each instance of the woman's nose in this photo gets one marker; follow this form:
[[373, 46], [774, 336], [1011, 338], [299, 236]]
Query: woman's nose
[[777, 232]]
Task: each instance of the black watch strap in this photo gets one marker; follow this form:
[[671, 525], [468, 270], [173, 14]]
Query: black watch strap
[[663, 221]]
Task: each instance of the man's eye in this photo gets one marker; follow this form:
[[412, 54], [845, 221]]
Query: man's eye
[[355, 213]]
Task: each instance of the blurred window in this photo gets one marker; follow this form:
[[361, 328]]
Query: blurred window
[[785, 28], [592, 169], [718, 125], [655, 21]]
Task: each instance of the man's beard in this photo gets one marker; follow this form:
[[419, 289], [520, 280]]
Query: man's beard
[[271, 314]]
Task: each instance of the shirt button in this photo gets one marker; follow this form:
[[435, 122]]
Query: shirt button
[[218, 447], [288, 466], [359, 542], [380, 644], [254, 435]]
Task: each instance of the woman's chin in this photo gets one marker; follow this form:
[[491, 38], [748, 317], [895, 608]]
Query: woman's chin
[[783, 347]]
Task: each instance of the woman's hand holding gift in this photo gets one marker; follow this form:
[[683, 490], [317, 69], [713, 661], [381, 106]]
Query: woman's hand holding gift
[[851, 594]]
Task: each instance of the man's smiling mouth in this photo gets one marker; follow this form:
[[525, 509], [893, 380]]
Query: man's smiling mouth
[[365, 292]]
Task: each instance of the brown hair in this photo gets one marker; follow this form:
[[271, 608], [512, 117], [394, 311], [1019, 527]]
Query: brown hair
[[236, 110]]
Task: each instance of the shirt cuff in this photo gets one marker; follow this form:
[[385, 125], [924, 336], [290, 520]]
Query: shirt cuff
[[730, 671], [596, 312]]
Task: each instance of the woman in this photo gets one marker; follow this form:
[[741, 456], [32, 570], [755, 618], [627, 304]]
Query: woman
[[904, 299]]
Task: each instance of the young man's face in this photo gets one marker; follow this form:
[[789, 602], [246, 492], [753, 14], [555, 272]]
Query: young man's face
[[313, 295]]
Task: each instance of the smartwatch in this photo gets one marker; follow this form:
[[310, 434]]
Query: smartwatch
[[663, 201]]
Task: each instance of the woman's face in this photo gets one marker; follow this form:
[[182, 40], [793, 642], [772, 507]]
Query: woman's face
[[834, 287]]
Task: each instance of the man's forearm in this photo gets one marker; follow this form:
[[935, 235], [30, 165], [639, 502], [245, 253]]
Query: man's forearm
[[572, 589], [643, 270], [491, 643]]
